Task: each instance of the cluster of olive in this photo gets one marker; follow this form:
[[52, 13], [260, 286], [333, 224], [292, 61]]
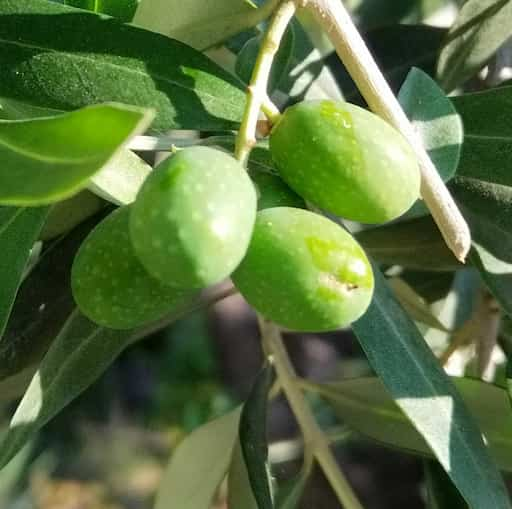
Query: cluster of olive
[[196, 222]]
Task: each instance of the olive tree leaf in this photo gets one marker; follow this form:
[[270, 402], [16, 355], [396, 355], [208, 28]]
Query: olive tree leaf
[[397, 49], [246, 59], [240, 493], [435, 119], [415, 244], [253, 438], [19, 229], [413, 376], [43, 303], [122, 9], [67, 214], [441, 493], [120, 180], [191, 484], [480, 29], [58, 57], [487, 149], [437, 123], [366, 405], [488, 209], [199, 23], [48, 159], [80, 353]]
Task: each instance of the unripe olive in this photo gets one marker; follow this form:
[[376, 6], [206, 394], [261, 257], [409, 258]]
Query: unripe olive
[[304, 272], [193, 217], [273, 192], [346, 160], [110, 285]]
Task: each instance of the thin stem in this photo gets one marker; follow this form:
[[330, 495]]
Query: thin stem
[[352, 50], [313, 435], [257, 90]]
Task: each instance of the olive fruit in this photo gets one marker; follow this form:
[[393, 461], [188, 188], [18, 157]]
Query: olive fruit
[[192, 220], [304, 272], [110, 285], [273, 192], [345, 160]]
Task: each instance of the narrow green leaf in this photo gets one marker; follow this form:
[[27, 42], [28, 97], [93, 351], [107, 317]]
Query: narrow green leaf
[[43, 304], [199, 464], [414, 304], [195, 22], [54, 56], [19, 229], [120, 180], [121, 9], [415, 244], [253, 438], [77, 357], [487, 150], [435, 119], [67, 214], [441, 493], [246, 59], [365, 405], [401, 358], [240, 492], [397, 49], [480, 29], [48, 159], [488, 209]]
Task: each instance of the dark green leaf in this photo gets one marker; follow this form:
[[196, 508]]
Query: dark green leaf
[[413, 376], [435, 119], [246, 59], [396, 49], [487, 149], [77, 357], [480, 29], [122, 9], [441, 493], [53, 56], [42, 305], [48, 159], [19, 229], [415, 244], [488, 209], [253, 438], [199, 464], [366, 406]]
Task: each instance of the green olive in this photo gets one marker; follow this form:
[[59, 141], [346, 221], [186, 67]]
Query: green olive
[[193, 217], [110, 285], [346, 160], [273, 192], [304, 272]]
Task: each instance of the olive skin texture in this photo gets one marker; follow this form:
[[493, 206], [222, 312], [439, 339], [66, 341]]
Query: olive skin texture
[[192, 220], [273, 192], [346, 161], [304, 272], [110, 285]]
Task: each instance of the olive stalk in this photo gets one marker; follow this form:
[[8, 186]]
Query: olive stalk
[[257, 97], [314, 438], [353, 52]]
